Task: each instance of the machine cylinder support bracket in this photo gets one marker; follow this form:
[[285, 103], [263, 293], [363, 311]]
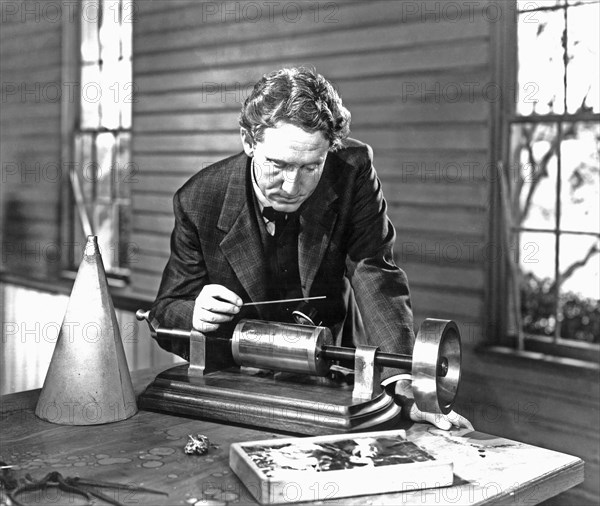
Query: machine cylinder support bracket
[[367, 382], [208, 354]]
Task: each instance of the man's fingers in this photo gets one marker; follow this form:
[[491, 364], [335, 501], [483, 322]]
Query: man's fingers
[[459, 421], [218, 299], [204, 326], [206, 316], [213, 305], [440, 421], [205, 321], [443, 422], [219, 292], [416, 415]]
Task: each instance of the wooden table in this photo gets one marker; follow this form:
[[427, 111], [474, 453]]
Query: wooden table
[[147, 450]]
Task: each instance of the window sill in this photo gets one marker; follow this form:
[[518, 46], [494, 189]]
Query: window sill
[[539, 360], [563, 348], [122, 296], [114, 282]]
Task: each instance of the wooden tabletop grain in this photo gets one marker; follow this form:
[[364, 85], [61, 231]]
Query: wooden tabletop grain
[[147, 450]]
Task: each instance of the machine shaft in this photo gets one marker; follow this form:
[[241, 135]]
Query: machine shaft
[[394, 360]]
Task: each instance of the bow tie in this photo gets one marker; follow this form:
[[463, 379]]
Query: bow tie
[[278, 218], [275, 216]]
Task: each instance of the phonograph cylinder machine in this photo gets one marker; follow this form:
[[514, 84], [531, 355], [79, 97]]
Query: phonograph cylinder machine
[[287, 377]]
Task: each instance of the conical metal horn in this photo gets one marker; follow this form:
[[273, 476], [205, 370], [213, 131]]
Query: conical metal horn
[[88, 380]]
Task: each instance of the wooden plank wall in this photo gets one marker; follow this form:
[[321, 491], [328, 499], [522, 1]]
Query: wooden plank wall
[[30, 154], [412, 76]]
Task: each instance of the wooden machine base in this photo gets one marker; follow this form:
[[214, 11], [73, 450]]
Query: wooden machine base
[[282, 403]]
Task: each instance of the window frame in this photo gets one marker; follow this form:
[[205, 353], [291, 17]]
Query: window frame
[[504, 115], [71, 126]]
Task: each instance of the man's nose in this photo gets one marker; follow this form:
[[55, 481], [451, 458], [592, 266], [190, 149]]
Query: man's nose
[[291, 181]]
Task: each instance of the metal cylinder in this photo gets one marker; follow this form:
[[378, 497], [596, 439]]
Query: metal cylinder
[[281, 346], [436, 365]]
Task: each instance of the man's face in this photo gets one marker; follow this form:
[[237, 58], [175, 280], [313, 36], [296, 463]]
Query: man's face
[[287, 164]]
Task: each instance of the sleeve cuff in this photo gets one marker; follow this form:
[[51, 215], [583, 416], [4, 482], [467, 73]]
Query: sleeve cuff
[[396, 377]]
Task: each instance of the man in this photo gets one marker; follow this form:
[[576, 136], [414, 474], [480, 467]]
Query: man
[[300, 213]]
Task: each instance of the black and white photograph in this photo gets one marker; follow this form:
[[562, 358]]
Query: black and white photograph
[[225, 222]]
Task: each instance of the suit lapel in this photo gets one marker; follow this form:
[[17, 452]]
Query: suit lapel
[[317, 219], [242, 245]]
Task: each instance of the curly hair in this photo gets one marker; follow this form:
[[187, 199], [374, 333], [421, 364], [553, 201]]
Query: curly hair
[[301, 97]]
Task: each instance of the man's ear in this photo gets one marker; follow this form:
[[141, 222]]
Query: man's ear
[[247, 142]]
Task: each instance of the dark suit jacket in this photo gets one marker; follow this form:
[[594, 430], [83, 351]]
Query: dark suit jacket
[[345, 240]]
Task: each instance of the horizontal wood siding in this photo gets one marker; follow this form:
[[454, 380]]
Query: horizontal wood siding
[[416, 90], [30, 126]]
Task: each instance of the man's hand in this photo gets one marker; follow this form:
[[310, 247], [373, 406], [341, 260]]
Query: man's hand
[[215, 305], [404, 396], [444, 422]]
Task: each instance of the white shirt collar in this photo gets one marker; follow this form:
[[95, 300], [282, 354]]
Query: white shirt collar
[[262, 200]]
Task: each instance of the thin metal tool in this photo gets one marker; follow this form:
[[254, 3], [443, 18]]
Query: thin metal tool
[[79, 486], [284, 300]]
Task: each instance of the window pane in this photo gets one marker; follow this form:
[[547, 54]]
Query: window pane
[[105, 153], [104, 220], [528, 5], [533, 175], [579, 262], [580, 189], [91, 94], [580, 287], [575, 2], [110, 45], [126, 174], [85, 167], [90, 49], [537, 253], [541, 69], [126, 250], [127, 19], [110, 105], [125, 93], [538, 296], [583, 92]]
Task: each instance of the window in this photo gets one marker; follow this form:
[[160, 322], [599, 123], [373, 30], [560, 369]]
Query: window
[[102, 171], [549, 192]]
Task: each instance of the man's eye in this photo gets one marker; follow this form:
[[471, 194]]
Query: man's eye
[[311, 168]]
